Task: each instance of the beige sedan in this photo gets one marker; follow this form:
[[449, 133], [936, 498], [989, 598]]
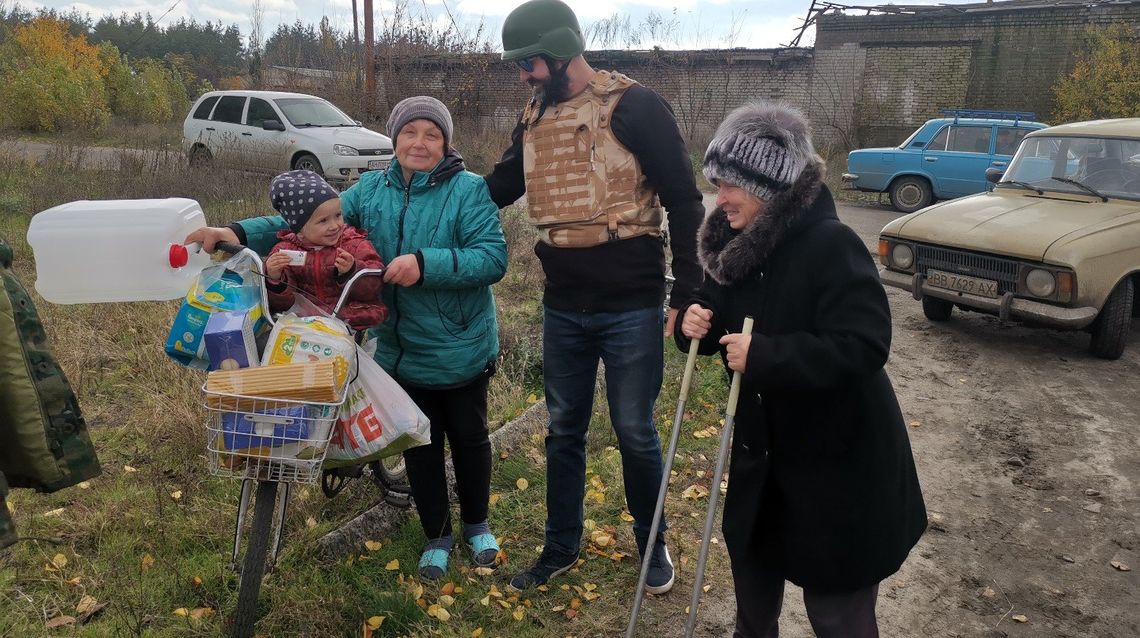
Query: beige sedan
[[1056, 242]]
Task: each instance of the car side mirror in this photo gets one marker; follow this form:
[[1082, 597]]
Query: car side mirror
[[994, 175], [359, 123], [272, 125]]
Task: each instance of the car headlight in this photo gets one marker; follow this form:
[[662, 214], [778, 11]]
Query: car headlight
[[1041, 283], [341, 149], [902, 256]]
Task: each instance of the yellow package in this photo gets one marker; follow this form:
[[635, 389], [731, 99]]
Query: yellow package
[[311, 339]]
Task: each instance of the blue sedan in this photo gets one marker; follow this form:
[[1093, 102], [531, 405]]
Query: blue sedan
[[945, 158]]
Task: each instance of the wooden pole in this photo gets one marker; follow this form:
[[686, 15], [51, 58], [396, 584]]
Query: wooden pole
[[356, 40], [369, 63]]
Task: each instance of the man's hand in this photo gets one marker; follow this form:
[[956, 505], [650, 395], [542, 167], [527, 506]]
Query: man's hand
[[344, 261], [697, 323], [275, 265], [670, 321], [403, 271], [737, 346], [210, 236]]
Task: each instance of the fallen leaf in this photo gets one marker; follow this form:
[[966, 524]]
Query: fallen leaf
[[196, 581], [532, 398], [1020, 618], [484, 571], [706, 588], [85, 485], [494, 499], [448, 588], [86, 605], [176, 495], [589, 524], [504, 454], [522, 484], [1119, 566], [54, 512], [626, 516], [589, 586], [375, 622], [446, 600], [570, 614], [147, 562], [695, 492], [519, 613], [393, 565], [59, 621], [438, 612], [59, 561], [486, 600], [478, 632], [74, 582], [504, 604], [617, 556], [181, 611], [601, 538], [129, 470], [543, 588], [372, 546], [310, 522], [575, 603], [199, 613], [591, 596], [557, 608], [988, 592]]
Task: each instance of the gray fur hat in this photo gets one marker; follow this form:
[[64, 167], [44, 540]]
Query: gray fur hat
[[761, 147], [421, 107]]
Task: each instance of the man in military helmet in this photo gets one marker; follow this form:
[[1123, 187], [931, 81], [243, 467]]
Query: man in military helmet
[[600, 159]]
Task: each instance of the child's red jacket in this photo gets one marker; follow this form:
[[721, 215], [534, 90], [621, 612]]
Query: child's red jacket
[[322, 284]]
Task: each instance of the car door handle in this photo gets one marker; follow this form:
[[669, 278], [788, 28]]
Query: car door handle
[[930, 159], [248, 134], [209, 128], [1000, 163]]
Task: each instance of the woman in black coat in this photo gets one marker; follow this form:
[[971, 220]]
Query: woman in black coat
[[822, 485]]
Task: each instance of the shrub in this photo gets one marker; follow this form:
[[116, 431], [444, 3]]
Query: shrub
[[1105, 82]]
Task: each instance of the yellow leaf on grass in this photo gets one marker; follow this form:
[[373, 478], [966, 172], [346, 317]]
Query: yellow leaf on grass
[[519, 613], [176, 495], [504, 604], [86, 605], [695, 492], [601, 538], [375, 622], [55, 512], [199, 613], [446, 600], [532, 398], [494, 499], [129, 470], [575, 603], [1020, 618], [147, 561], [477, 633], [626, 516], [589, 524], [448, 588], [310, 522], [59, 561], [182, 611], [439, 613], [485, 601], [85, 485], [522, 484], [372, 546], [59, 621], [591, 596], [484, 571], [196, 581], [393, 565], [74, 582]]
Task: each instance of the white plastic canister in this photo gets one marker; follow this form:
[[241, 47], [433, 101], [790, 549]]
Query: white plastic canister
[[116, 250]]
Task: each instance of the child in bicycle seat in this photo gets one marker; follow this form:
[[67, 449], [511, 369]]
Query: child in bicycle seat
[[319, 253]]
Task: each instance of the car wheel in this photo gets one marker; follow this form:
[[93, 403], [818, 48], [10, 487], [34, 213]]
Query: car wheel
[[308, 162], [1110, 330], [909, 194], [200, 157], [936, 309]]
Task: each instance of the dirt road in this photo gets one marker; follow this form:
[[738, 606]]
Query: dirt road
[[1028, 450]]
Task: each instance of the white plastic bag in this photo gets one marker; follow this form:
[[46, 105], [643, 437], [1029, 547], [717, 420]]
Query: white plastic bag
[[378, 419]]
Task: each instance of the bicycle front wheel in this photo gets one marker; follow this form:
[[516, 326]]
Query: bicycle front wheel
[[253, 566]]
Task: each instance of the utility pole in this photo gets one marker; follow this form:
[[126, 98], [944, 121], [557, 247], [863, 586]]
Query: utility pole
[[369, 63]]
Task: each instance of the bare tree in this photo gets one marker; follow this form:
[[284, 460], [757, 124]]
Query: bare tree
[[256, 39]]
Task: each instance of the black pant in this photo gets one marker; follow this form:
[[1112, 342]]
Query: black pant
[[760, 595], [461, 415]]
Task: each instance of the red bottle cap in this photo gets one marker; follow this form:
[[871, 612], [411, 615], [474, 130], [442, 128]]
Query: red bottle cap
[[179, 256]]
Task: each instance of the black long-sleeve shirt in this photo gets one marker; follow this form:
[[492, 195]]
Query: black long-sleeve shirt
[[628, 274]]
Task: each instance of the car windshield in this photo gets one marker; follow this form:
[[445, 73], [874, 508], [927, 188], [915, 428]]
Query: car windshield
[[1080, 165], [305, 112]]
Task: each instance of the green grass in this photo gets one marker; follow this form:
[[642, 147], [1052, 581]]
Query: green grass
[[144, 414]]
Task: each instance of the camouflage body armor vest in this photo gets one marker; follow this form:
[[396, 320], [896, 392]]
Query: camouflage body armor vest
[[583, 187], [43, 438]]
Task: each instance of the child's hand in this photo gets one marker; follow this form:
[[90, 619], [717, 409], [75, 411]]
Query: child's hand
[[275, 265], [344, 261]]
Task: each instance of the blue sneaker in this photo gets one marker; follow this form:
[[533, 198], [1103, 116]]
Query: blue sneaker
[[659, 579]]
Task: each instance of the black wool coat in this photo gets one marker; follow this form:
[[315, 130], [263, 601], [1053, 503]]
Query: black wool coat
[[822, 484]]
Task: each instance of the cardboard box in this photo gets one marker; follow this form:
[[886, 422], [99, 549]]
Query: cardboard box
[[230, 342]]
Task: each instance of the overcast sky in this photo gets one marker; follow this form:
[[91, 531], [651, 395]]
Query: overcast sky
[[689, 23]]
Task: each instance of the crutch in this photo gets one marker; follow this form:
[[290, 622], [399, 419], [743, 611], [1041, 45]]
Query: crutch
[[690, 363], [714, 493]]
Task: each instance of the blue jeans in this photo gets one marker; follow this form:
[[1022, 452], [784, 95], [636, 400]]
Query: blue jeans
[[631, 346]]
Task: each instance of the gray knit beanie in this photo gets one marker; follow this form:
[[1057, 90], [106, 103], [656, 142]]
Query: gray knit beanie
[[295, 195], [761, 147], [421, 107]]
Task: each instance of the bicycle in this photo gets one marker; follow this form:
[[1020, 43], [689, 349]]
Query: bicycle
[[269, 441]]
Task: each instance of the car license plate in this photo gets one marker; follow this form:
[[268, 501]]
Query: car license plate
[[376, 165], [962, 283]]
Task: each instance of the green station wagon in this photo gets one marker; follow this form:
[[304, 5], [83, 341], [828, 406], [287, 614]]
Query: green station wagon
[[1055, 243]]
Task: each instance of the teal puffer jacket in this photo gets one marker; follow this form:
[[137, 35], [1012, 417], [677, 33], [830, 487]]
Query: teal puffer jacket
[[441, 332]]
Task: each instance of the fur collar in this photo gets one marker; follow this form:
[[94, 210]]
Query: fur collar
[[728, 256]]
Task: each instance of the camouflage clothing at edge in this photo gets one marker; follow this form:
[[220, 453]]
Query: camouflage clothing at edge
[[43, 438]]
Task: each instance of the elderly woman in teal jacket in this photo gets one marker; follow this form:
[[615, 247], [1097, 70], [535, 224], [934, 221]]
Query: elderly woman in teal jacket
[[436, 227]]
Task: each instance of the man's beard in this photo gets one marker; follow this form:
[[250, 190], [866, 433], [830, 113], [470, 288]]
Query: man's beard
[[555, 89]]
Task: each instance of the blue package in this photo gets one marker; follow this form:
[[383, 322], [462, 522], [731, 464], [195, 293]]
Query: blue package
[[229, 340], [272, 428]]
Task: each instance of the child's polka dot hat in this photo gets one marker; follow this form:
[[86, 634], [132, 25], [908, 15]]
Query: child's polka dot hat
[[296, 194]]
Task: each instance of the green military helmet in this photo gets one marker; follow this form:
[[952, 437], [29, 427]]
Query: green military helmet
[[542, 27]]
